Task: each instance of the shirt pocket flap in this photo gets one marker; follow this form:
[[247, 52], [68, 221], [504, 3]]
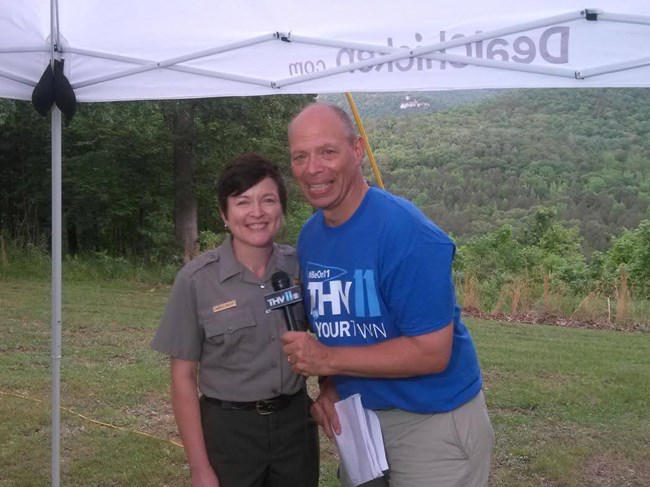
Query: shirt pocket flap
[[227, 322]]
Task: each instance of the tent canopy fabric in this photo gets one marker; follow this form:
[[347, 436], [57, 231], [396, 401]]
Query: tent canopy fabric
[[151, 49]]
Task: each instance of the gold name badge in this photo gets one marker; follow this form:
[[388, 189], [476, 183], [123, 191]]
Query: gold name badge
[[221, 307]]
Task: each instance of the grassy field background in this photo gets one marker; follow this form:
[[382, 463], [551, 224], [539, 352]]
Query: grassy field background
[[570, 407]]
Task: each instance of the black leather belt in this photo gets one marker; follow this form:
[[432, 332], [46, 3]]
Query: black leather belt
[[263, 407]]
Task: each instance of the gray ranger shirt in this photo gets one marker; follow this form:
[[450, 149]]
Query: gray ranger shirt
[[216, 315]]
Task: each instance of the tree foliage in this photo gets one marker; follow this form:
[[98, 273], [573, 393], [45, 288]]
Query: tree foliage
[[118, 176], [479, 166], [630, 253], [534, 184], [542, 249], [24, 173]]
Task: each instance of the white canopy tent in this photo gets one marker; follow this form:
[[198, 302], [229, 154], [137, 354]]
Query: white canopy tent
[[146, 49], [152, 49]]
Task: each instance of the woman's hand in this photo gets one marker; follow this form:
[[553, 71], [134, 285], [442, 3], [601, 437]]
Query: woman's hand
[[187, 412], [323, 409], [204, 477]]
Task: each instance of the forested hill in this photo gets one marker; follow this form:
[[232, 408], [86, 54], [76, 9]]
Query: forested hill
[[481, 165], [372, 105]]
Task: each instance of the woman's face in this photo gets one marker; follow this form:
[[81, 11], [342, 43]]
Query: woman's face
[[255, 216]]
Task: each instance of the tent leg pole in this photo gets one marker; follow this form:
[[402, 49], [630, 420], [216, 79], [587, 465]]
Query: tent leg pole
[[56, 295]]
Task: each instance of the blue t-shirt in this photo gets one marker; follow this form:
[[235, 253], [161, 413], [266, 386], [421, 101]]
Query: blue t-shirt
[[385, 273]]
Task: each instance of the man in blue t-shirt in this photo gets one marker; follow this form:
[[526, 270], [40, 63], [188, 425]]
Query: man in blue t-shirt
[[377, 282]]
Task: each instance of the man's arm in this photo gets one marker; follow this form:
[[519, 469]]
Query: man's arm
[[399, 357]]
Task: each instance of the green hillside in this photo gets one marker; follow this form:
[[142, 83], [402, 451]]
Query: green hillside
[[406, 104], [480, 165]]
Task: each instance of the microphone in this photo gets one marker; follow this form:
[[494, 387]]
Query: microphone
[[281, 283]]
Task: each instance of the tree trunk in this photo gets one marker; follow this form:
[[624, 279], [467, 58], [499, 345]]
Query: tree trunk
[[72, 241], [185, 206]]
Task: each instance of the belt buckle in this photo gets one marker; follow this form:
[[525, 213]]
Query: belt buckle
[[265, 407]]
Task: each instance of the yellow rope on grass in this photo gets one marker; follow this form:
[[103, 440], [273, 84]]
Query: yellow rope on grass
[[100, 423]]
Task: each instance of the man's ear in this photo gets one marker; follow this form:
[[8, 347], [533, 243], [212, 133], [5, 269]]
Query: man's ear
[[359, 149]]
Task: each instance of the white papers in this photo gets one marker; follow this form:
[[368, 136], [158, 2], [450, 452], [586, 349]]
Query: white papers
[[360, 443]]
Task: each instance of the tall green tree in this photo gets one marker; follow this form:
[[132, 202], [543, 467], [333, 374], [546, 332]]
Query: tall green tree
[[181, 118], [24, 173], [117, 186], [630, 253]]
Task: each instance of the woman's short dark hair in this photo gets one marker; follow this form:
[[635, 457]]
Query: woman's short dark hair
[[245, 171]]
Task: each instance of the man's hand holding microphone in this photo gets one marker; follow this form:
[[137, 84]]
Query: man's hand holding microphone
[[306, 355]]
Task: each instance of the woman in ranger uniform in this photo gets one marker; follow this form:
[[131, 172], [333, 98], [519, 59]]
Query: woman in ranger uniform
[[251, 425]]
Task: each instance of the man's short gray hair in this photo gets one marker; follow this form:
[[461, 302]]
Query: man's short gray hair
[[344, 117]]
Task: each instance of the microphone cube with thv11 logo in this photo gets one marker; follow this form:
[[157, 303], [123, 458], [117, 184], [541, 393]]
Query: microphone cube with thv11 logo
[[284, 297]]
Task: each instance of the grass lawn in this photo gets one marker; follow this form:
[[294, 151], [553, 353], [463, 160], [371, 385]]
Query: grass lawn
[[570, 407]]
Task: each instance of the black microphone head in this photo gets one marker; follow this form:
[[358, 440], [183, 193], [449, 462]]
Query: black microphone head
[[280, 280]]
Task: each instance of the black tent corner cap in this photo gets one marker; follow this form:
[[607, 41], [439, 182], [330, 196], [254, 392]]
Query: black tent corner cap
[[591, 14], [43, 94], [284, 37], [64, 96]]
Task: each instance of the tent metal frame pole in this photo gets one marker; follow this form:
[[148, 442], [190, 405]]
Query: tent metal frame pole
[[436, 51], [55, 325], [508, 66], [172, 63], [17, 78], [18, 49], [56, 295], [390, 54], [433, 51], [395, 56], [611, 68], [183, 69], [221, 75], [624, 18]]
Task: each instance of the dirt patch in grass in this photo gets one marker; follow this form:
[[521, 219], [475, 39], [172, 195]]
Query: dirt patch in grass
[[509, 410], [555, 320], [613, 470], [154, 416]]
